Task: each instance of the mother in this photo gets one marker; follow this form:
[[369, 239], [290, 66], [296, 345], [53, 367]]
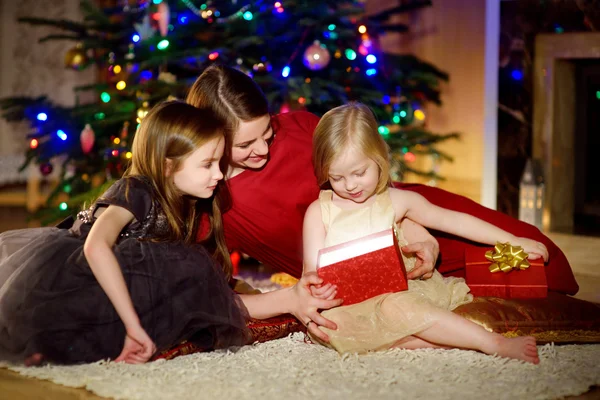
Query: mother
[[271, 181]]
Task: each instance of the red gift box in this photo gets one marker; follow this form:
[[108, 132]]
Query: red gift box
[[364, 267], [518, 284]]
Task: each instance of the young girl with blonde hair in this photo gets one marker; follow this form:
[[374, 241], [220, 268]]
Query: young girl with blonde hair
[[351, 161]]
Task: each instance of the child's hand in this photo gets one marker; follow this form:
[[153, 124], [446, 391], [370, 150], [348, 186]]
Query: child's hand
[[306, 307], [327, 291], [138, 347], [533, 248]]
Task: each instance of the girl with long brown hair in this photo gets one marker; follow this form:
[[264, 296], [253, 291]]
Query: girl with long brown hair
[[127, 279]]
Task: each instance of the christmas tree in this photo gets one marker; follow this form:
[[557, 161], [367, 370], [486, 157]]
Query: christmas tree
[[312, 55]]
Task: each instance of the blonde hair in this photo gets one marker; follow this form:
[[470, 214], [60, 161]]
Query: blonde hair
[[172, 131], [350, 125]]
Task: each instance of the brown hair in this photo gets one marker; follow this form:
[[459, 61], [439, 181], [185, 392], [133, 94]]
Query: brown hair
[[173, 130], [232, 95], [354, 125]]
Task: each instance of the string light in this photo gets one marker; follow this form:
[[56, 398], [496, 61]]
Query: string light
[[301, 100], [371, 59], [105, 97], [117, 141], [42, 116], [163, 44], [409, 157], [213, 56], [248, 16], [285, 72], [128, 155], [34, 143], [350, 54], [371, 72], [362, 29], [420, 115], [121, 85], [61, 134], [383, 130], [517, 75], [115, 152], [117, 69], [63, 206], [135, 38]]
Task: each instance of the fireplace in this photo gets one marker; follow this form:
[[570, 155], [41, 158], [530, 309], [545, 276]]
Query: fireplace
[[566, 129]]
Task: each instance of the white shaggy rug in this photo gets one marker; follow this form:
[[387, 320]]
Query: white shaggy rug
[[290, 368]]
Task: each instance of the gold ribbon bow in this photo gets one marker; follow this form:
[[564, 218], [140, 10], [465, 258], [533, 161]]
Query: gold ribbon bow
[[505, 258]]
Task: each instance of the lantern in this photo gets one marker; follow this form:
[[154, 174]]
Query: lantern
[[531, 194]]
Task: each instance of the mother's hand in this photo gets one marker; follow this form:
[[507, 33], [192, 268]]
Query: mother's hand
[[426, 254], [307, 307]]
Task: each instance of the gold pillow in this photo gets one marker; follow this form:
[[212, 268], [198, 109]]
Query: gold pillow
[[557, 318]]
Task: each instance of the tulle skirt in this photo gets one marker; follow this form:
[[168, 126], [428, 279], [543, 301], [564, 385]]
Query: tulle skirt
[[51, 303], [380, 322]]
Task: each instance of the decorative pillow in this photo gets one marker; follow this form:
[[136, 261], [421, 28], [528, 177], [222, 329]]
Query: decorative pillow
[[261, 330], [557, 318]]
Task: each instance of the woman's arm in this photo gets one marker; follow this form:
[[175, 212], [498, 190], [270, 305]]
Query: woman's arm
[[103, 263], [419, 209], [423, 246]]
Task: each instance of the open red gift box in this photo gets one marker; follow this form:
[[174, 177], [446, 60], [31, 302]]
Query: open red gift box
[[518, 283]]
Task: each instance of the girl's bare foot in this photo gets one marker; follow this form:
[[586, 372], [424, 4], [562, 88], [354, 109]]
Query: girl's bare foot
[[413, 342], [520, 348], [34, 359]]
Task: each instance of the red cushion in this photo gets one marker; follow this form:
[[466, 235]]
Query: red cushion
[[452, 248]]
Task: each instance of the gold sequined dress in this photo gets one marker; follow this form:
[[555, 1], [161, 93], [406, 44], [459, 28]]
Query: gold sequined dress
[[378, 323]]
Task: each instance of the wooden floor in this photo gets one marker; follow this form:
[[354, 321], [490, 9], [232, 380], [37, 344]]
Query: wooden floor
[[580, 251]]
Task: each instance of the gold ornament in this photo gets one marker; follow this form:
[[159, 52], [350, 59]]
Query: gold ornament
[[142, 111], [261, 67], [76, 58]]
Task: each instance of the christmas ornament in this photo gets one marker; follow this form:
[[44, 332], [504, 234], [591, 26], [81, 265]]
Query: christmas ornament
[[46, 169], [142, 111], [167, 77], [70, 170], [164, 17], [262, 67], [316, 56], [76, 57], [87, 138], [125, 130], [285, 108], [145, 29]]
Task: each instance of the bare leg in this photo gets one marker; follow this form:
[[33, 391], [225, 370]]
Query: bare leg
[[453, 330], [412, 343]]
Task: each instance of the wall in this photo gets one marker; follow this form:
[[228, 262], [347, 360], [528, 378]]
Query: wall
[[454, 36], [33, 69]]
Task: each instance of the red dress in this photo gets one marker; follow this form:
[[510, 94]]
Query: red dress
[[268, 208]]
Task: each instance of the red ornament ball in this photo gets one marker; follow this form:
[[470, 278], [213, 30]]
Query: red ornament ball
[[46, 169]]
